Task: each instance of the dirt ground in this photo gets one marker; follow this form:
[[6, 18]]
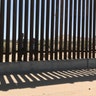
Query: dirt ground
[[73, 83], [75, 89]]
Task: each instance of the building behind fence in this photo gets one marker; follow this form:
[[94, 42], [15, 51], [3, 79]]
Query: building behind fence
[[53, 30]]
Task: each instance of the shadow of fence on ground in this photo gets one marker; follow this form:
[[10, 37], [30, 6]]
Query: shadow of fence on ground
[[32, 80]]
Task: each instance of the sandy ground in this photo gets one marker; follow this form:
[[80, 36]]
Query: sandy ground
[[68, 83], [75, 89]]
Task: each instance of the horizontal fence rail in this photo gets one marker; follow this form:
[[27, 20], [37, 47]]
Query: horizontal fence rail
[[34, 30]]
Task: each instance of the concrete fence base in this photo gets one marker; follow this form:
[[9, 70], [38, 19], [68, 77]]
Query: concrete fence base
[[46, 65]]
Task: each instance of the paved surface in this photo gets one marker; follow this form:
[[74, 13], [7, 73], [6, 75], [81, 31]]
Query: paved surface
[[55, 83]]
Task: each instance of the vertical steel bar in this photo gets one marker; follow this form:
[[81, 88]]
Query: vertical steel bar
[[69, 32], [64, 18], [45, 15], [42, 31], [77, 23], [83, 32], [78, 40], [1, 29], [90, 33], [47, 31], [85, 15], [37, 29], [8, 31], [20, 31], [50, 15], [54, 26], [86, 29], [74, 13], [56, 31], [82, 29], [61, 31], [65, 33], [31, 31], [93, 26], [14, 31], [52, 31], [26, 31]]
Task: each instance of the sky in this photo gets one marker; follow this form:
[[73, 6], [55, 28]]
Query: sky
[[29, 4], [11, 15], [45, 8]]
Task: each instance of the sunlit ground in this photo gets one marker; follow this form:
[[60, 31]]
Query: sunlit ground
[[54, 83]]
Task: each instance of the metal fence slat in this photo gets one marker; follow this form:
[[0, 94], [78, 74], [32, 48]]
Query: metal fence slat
[[74, 18], [90, 26], [1, 29], [14, 31], [20, 35], [65, 33], [55, 30], [8, 31], [61, 31], [42, 31], [86, 29], [52, 31], [26, 31], [37, 29], [78, 36], [32, 40], [47, 31]]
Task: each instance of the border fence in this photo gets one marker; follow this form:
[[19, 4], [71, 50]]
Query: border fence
[[47, 30]]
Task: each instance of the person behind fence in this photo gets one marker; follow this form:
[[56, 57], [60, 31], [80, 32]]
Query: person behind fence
[[33, 47], [22, 47], [23, 50]]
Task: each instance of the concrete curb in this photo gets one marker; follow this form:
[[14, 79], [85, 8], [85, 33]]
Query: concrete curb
[[46, 65]]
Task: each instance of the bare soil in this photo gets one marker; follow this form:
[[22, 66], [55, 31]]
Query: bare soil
[[75, 89], [70, 83]]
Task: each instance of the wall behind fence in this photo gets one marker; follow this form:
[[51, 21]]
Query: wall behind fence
[[47, 30]]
